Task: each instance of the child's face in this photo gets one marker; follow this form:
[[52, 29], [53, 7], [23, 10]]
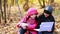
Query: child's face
[[46, 15], [33, 16]]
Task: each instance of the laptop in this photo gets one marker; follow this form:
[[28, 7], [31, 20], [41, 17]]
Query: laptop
[[45, 26]]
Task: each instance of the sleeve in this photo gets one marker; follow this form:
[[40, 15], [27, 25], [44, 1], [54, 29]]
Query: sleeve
[[39, 22], [53, 28], [20, 22]]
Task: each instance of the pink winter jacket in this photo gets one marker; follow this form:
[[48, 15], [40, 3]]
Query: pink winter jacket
[[32, 23]]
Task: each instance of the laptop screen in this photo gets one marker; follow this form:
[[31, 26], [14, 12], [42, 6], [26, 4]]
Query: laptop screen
[[46, 26]]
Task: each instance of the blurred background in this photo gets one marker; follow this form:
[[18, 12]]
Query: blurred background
[[12, 11]]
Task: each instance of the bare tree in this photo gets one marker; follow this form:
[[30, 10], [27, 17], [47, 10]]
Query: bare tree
[[39, 2], [26, 6], [51, 1], [5, 10], [12, 2], [42, 5], [0, 11]]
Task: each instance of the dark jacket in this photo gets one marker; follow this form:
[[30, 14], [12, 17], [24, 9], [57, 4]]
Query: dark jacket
[[42, 18]]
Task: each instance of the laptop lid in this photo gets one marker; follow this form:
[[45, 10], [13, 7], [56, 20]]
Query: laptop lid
[[46, 26]]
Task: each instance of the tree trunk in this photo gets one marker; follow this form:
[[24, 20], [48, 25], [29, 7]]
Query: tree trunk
[[12, 2], [26, 6], [43, 3], [40, 3], [51, 1], [5, 10], [0, 10]]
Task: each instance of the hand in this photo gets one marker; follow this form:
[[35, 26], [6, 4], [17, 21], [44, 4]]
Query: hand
[[24, 27], [24, 24], [36, 29]]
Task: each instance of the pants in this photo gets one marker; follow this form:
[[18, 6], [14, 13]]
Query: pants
[[22, 31], [45, 32]]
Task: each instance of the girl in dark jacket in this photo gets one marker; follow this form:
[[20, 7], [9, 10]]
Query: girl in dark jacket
[[46, 17]]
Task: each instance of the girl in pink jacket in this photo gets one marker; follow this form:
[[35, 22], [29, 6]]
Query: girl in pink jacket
[[31, 20]]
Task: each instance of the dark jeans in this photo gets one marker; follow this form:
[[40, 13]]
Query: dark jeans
[[45, 32], [22, 31]]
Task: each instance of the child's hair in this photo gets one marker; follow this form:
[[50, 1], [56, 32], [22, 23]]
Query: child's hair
[[27, 18]]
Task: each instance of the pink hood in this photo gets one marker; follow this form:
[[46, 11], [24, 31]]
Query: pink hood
[[32, 11], [29, 13]]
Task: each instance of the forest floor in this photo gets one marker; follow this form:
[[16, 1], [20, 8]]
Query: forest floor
[[14, 18]]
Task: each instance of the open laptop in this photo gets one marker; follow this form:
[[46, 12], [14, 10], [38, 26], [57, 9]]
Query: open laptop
[[45, 26]]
